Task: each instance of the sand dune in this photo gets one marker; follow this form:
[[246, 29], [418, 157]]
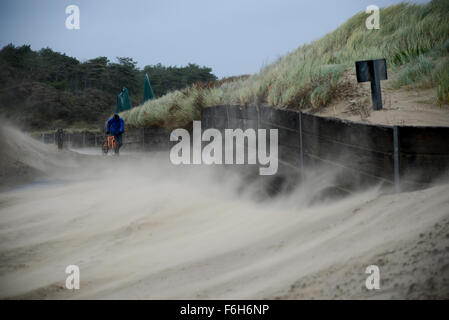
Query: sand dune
[[139, 227]]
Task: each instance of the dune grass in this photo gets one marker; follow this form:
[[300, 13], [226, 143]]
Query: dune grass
[[413, 38], [414, 75]]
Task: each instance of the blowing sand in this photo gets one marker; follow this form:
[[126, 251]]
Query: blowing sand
[[141, 228]]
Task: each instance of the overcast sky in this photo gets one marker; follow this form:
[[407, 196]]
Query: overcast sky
[[231, 36]]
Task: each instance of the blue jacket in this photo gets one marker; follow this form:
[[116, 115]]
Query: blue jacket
[[115, 126]]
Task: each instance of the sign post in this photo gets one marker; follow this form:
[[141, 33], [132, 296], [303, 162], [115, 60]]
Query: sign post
[[373, 71]]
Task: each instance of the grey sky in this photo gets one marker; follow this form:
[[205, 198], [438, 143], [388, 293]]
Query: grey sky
[[231, 36]]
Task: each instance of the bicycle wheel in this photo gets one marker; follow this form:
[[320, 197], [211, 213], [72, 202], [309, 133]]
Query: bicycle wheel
[[105, 147]]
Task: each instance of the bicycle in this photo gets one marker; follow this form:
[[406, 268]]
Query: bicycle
[[110, 144]]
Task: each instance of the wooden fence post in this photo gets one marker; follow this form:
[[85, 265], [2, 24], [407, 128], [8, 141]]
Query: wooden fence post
[[397, 186], [301, 146]]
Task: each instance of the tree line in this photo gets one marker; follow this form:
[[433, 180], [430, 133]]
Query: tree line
[[74, 79]]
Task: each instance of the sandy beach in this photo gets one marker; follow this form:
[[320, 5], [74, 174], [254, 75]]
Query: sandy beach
[[141, 228]]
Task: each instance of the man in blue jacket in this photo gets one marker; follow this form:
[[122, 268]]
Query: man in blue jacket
[[116, 127]]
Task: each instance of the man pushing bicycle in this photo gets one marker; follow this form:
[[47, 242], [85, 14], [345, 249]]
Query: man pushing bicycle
[[116, 127]]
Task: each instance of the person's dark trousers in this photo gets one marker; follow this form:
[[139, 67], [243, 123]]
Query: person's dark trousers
[[118, 139]]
